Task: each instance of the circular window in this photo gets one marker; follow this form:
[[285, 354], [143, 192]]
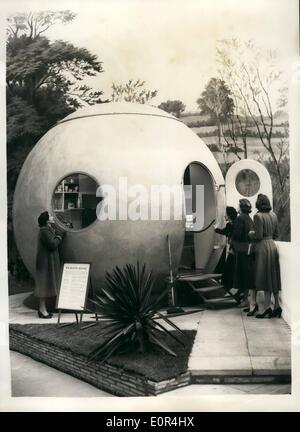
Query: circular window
[[247, 182], [74, 201]]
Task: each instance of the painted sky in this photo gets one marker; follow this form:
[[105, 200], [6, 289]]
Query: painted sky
[[170, 44]]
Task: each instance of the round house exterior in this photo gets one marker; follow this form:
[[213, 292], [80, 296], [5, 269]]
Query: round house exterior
[[143, 146]]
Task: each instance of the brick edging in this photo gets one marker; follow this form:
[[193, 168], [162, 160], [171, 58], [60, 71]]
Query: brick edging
[[104, 376]]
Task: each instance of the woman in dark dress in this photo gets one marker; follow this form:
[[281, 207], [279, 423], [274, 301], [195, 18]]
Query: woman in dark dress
[[47, 263], [267, 268], [228, 273], [244, 258]]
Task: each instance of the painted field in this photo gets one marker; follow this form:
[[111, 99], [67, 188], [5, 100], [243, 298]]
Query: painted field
[[201, 125]]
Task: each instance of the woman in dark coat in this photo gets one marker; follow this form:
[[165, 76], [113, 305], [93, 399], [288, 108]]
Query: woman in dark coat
[[244, 258], [228, 273], [47, 263], [267, 268]]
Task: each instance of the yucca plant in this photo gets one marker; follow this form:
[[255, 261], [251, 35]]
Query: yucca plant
[[127, 302]]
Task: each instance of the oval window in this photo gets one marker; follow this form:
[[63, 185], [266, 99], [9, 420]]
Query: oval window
[[247, 183], [74, 201]]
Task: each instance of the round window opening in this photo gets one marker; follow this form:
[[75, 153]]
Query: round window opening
[[247, 183], [74, 201]]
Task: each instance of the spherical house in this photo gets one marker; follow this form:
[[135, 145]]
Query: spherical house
[[134, 150]]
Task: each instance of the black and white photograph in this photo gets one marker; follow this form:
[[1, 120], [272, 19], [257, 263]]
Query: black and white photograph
[[150, 205]]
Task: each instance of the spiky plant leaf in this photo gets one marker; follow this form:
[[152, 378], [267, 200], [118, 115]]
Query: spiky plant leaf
[[169, 322], [128, 305], [162, 345], [169, 333], [110, 342]]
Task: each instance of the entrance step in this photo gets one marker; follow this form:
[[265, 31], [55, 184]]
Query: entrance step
[[208, 288], [198, 277], [220, 300], [219, 303]]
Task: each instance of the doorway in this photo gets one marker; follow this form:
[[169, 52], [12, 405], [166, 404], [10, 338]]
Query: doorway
[[200, 212]]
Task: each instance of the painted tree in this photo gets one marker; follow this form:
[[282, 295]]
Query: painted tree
[[175, 107], [257, 86], [132, 91], [33, 24], [43, 82], [259, 89], [216, 101]]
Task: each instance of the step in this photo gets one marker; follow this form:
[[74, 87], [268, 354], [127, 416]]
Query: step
[[193, 277], [220, 300], [208, 288]]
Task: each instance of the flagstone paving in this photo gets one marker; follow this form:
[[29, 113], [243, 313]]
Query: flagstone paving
[[228, 343]]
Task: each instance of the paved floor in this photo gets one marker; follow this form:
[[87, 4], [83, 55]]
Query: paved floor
[[32, 378], [226, 341], [230, 343]]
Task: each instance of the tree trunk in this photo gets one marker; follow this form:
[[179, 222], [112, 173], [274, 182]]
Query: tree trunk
[[278, 171], [219, 132], [220, 145], [244, 137]]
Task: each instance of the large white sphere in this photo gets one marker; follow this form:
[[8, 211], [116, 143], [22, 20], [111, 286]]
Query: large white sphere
[[109, 141]]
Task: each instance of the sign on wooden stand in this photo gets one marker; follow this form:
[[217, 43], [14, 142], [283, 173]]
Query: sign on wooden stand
[[73, 292]]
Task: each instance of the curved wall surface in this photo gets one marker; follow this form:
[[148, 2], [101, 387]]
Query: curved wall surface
[[142, 144]]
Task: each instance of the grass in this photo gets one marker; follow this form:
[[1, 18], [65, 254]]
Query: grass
[[154, 365]]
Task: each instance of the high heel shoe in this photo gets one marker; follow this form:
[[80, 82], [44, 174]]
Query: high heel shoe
[[267, 313], [41, 315], [254, 310], [238, 298], [277, 312]]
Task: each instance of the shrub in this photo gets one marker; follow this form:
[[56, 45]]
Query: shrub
[[214, 148], [128, 304], [200, 123], [211, 133]]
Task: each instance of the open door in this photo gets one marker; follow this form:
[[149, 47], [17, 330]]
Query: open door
[[206, 203], [204, 206]]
